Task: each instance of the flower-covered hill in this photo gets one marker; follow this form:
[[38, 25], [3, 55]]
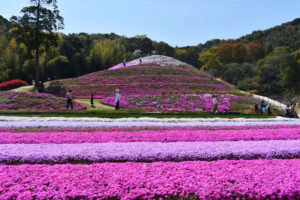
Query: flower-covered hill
[[33, 101], [158, 83]]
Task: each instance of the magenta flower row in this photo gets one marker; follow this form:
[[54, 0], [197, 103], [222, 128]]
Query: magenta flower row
[[150, 136], [223, 179], [142, 128]]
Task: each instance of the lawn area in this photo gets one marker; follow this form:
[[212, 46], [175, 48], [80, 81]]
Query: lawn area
[[97, 105], [126, 113]]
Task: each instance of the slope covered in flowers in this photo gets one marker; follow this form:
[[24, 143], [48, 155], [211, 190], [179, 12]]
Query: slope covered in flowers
[[159, 83], [33, 101], [142, 79], [148, 158]]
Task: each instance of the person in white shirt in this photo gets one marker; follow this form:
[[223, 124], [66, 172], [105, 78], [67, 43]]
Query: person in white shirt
[[117, 99], [215, 103]]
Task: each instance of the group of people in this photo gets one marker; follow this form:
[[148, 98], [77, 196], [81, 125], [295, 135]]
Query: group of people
[[39, 86], [290, 112], [263, 108], [69, 100], [124, 61]]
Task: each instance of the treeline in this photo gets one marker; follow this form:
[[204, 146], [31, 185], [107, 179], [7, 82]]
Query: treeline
[[78, 54], [267, 62], [252, 67]]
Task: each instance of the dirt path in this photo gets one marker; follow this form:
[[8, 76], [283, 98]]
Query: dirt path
[[98, 106], [23, 89]]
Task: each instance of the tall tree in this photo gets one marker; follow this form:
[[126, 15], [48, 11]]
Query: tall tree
[[37, 26], [290, 73], [211, 60]]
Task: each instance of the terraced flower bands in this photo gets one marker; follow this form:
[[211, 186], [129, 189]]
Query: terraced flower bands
[[94, 158]]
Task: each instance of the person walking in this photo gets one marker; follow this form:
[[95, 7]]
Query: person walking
[[215, 103], [69, 100], [117, 99], [269, 109], [124, 62], [92, 99], [256, 107], [263, 107], [140, 59], [287, 111], [40, 87]]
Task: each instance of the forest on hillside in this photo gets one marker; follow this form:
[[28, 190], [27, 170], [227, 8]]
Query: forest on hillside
[[266, 62]]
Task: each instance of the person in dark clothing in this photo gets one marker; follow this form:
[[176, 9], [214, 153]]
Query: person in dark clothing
[[269, 109], [69, 100], [40, 87], [287, 111], [92, 99], [256, 108], [262, 107]]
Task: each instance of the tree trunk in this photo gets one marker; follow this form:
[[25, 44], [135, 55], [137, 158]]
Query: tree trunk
[[37, 65], [37, 50]]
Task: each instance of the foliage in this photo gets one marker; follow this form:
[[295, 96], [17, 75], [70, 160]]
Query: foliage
[[287, 34], [211, 60], [268, 71], [37, 26], [290, 73]]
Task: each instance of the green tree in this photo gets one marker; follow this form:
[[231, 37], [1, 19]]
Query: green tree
[[268, 71], [12, 58], [290, 73], [189, 55], [112, 52], [162, 48], [211, 61], [37, 26], [57, 67]]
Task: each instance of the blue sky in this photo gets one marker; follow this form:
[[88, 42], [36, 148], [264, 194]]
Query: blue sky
[[177, 22]]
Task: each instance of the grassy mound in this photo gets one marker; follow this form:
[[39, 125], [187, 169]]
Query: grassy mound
[[155, 86], [33, 101], [138, 80]]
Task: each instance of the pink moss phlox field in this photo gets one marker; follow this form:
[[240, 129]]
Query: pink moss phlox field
[[142, 128], [20, 122], [145, 79], [175, 102], [148, 151], [248, 179], [34, 101], [150, 136]]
